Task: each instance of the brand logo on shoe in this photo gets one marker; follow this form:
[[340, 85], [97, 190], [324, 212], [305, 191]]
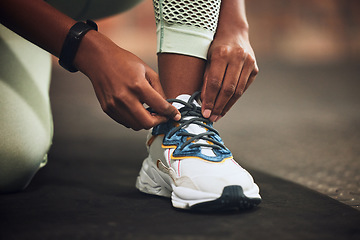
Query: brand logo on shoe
[[178, 181], [161, 166]]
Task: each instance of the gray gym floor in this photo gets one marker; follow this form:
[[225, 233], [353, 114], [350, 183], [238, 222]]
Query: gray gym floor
[[295, 123], [302, 123]]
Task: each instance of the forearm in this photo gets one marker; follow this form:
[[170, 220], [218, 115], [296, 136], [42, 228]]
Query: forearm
[[232, 18], [122, 82], [36, 21], [47, 27]]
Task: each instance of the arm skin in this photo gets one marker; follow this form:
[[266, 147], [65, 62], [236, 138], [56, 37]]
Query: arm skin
[[231, 65], [122, 82]]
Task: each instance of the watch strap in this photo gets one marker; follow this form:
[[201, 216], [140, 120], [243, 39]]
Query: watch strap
[[72, 42]]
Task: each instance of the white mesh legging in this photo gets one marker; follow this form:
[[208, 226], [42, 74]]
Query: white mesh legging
[[26, 127]]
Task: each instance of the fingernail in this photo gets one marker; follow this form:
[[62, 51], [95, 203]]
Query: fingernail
[[177, 117], [214, 118], [207, 113]]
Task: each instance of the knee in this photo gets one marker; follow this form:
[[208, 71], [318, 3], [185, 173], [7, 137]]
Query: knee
[[25, 116], [22, 153], [18, 166]]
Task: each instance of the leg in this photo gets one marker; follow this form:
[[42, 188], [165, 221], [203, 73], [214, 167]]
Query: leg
[[174, 79], [187, 159], [25, 119], [185, 29]]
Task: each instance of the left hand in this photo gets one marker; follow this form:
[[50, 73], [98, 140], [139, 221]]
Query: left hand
[[231, 68]]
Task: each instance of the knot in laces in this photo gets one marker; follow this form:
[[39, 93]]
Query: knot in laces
[[191, 114]]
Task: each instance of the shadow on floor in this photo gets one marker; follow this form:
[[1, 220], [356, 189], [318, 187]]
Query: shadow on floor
[[87, 192]]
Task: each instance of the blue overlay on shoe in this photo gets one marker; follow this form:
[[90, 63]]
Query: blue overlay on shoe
[[186, 143]]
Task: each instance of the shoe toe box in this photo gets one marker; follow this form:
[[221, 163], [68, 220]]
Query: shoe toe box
[[213, 177]]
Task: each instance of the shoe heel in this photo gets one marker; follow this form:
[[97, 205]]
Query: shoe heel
[[151, 182]]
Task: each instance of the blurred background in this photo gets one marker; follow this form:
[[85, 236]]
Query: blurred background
[[300, 120], [306, 32]]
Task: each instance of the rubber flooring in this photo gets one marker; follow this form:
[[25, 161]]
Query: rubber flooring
[[87, 189], [87, 192]]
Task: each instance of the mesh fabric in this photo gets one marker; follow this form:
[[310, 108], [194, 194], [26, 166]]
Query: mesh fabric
[[199, 13]]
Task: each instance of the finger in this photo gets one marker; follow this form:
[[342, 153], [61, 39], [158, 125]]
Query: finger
[[252, 77], [213, 78], [153, 78], [244, 78], [122, 111], [248, 69], [158, 103], [132, 114], [143, 118], [227, 90], [159, 119], [122, 116]]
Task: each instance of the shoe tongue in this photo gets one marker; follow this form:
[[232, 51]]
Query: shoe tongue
[[194, 128], [185, 98]]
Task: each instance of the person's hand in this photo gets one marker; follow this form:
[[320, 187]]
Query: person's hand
[[231, 68], [122, 83]]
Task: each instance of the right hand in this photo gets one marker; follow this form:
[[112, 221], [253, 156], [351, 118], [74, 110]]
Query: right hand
[[122, 83]]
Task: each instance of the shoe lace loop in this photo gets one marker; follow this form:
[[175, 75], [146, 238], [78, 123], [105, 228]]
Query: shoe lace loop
[[191, 114]]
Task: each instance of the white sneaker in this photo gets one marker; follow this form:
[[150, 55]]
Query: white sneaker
[[188, 162]]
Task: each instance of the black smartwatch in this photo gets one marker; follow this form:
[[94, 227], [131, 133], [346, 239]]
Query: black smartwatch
[[72, 42]]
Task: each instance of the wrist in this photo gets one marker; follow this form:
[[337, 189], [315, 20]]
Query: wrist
[[232, 33], [241, 27], [72, 42], [232, 18], [96, 52], [88, 51]]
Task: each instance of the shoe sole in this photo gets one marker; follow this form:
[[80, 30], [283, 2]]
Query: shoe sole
[[151, 181], [232, 198]]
